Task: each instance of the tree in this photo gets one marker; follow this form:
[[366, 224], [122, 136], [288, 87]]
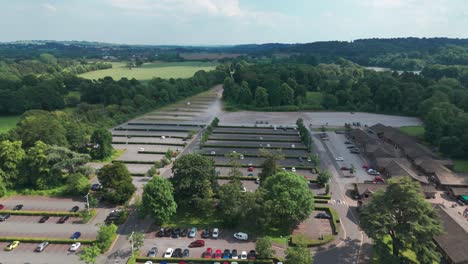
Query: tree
[[245, 95], [34, 168], [77, 184], [261, 97], [292, 199], [65, 159], [158, 199], [116, 182], [138, 239], [409, 223], [270, 164], [287, 94], [194, 180], [234, 172], [298, 255], [323, 177], [264, 248], [90, 254], [231, 204], [105, 236], [11, 155], [102, 141]]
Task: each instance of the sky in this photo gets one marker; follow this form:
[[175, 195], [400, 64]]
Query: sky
[[228, 22]]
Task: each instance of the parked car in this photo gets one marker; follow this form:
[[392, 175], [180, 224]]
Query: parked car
[[160, 232], [351, 147], [18, 207], [177, 253], [226, 254], [218, 254], [234, 254], [168, 253], [250, 174], [208, 253], [76, 235], [197, 243], [243, 255], [186, 253], [168, 232], [213, 152], [12, 245], [2, 206], [257, 181], [193, 232], [75, 246], [96, 187], [355, 151], [183, 232], [250, 168], [63, 219], [241, 236], [252, 255], [215, 233], [345, 168], [323, 216], [293, 169], [4, 217], [348, 142], [153, 252], [339, 159], [206, 233], [176, 233], [75, 209], [41, 246], [43, 219], [365, 166]]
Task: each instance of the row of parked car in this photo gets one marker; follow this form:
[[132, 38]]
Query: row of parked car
[[209, 253], [187, 232], [41, 246], [43, 219]]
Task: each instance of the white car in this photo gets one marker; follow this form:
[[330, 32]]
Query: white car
[[243, 255], [75, 246], [241, 157], [293, 169], [142, 149], [241, 236], [215, 233], [168, 253], [149, 262], [339, 159], [243, 189], [213, 152]]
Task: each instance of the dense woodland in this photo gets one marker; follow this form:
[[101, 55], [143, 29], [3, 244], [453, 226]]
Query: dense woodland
[[439, 95]]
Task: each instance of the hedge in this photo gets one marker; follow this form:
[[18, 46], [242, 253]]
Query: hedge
[[41, 213], [201, 260], [325, 197], [48, 239], [244, 146], [320, 201], [150, 143], [138, 174], [152, 152], [242, 178], [334, 214]]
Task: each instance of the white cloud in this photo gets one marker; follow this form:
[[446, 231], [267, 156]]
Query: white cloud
[[49, 7]]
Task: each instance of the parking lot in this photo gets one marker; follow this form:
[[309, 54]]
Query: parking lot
[[52, 254], [225, 241]]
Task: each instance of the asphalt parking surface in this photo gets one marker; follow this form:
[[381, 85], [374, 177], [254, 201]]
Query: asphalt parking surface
[[253, 152], [225, 170], [41, 203], [52, 254]]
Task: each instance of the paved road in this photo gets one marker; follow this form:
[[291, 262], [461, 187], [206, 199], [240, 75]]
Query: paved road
[[353, 246]]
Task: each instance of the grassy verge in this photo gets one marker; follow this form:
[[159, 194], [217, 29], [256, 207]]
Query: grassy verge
[[192, 220], [415, 131], [408, 254], [8, 122], [59, 191], [40, 213], [460, 166]]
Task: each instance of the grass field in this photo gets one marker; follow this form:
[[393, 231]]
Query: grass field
[[148, 71], [460, 166], [415, 131], [8, 122]]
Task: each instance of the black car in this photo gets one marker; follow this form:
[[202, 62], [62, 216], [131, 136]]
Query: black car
[[323, 216], [186, 253], [252, 255], [63, 219], [168, 232], [206, 233], [226, 254], [351, 147], [74, 209], [18, 207], [43, 219], [4, 217], [234, 253], [176, 233], [160, 232], [177, 253], [183, 232]]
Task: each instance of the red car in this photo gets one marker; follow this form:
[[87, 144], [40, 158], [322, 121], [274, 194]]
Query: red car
[[345, 168], [2, 206], [197, 243], [250, 168], [206, 255], [365, 166], [218, 254]]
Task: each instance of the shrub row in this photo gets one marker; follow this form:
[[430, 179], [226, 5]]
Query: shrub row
[[152, 129], [50, 240], [242, 178], [255, 140], [325, 197], [200, 260], [259, 166], [152, 152], [41, 213], [138, 174], [272, 132], [253, 147], [305, 135], [320, 201], [208, 130], [134, 161], [150, 143], [160, 124]]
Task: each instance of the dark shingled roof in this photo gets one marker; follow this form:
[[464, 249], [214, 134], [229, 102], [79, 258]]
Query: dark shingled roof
[[398, 169], [362, 188], [454, 241]]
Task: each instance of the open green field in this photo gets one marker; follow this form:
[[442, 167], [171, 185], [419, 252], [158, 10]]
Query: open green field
[[148, 71], [415, 131], [460, 166], [8, 122]]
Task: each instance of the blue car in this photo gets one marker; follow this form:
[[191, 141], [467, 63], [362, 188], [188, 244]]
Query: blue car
[[76, 235]]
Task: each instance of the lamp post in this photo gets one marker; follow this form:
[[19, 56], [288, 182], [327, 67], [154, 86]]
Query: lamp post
[[87, 201]]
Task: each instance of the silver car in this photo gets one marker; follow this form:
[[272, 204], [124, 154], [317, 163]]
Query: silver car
[[42, 246]]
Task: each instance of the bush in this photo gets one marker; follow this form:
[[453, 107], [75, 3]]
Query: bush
[[106, 236], [87, 215], [77, 184]]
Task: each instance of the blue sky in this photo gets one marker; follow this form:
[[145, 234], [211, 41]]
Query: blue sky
[[214, 22]]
